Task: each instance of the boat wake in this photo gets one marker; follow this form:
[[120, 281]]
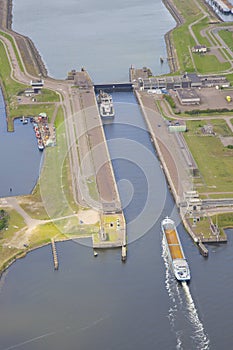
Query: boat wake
[[199, 337], [183, 315]]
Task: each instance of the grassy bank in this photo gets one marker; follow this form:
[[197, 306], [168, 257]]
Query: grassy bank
[[13, 89], [184, 42], [52, 199], [10, 38], [227, 37], [7, 250], [214, 161]]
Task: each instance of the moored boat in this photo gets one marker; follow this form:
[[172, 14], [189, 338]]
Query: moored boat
[[105, 105], [40, 145], [176, 255], [24, 120]]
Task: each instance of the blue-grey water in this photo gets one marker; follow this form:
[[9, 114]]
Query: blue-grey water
[[19, 157], [99, 302], [105, 37]]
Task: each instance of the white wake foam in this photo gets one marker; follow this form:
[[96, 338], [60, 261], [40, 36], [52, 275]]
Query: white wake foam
[[181, 305], [199, 336]]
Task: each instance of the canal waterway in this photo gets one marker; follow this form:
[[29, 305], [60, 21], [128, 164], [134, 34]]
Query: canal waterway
[[99, 302], [93, 302], [19, 157]]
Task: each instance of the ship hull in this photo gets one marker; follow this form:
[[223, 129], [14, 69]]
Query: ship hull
[[106, 108], [175, 251]]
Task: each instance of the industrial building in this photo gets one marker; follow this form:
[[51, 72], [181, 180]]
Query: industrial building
[[199, 49], [37, 85], [188, 97], [143, 81]]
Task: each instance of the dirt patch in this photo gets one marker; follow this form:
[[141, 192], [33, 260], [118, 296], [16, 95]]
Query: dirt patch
[[88, 217], [226, 141]]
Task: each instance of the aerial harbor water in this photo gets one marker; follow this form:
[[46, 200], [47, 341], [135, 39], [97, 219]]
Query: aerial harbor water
[[19, 157], [103, 37], [99, 302]]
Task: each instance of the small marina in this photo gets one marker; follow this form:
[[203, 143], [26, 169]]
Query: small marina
[[45, 133]]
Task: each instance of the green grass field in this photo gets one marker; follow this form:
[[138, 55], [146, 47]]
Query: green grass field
[[188, 8], [209, 64], [55, 183], [47, 95], [7, 252], [182, 42], [214, 161], [227, 36], [28, 111], [197, 28], [11, 87], [9, 37]]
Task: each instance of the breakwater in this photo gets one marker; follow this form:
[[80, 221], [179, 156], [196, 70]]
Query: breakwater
[[171, 52], [31, 56]]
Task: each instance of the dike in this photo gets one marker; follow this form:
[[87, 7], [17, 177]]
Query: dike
[[31, 56]]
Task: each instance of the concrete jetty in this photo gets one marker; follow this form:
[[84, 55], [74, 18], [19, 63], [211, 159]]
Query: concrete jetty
[[96, 163], [123, 253], [55, 257]]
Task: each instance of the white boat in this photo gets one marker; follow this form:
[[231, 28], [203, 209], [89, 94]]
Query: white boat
[[105, 105], [175, 251], [40, 145], [24, 120]]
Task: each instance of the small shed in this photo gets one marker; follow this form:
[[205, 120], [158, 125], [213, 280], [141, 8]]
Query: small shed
[[177, 126], [199, 49]]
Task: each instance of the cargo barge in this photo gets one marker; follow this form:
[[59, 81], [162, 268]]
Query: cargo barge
[[175, 251]]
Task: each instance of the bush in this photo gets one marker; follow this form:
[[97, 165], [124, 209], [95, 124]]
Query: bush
[[208, 111], [170, 100], [3, 219]]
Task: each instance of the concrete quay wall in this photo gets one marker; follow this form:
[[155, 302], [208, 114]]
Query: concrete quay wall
[[168, 175], [157, 148]]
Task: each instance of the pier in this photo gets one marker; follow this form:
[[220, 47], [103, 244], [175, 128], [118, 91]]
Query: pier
[[202, 248], [55, 257], [123, 253], [97, 164]]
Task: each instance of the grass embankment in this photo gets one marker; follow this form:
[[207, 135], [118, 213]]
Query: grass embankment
[[203, 230], [52, 199], [111, 225], [8, 252], [184, 42], [227, 37], [55, 187], [13, 89], [47, 96], [214, 161], [10, 38], [223, 221]]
